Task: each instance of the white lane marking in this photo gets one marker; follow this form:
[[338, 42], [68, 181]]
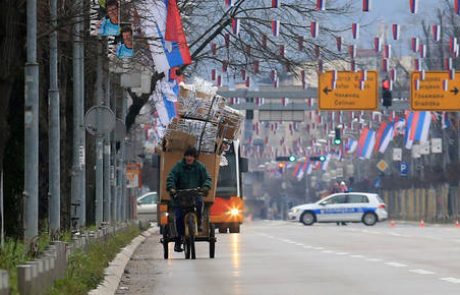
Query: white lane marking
[[396, 264], [396, 235], [451, 280], [342, 253], [357, 256], [299, 244], [317, 248], [327, 251], [422, 272], [374, 259]]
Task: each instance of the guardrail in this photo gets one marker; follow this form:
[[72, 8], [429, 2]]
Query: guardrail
[[38, 276]]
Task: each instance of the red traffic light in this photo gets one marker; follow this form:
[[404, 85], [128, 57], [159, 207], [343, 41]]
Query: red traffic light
[[386, 84]]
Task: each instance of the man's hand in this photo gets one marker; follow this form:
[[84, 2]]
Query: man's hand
[[205, 191], [172, 193]]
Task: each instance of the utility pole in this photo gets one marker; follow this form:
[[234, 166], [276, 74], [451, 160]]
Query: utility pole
[[107, 148], [54, 126], [78, 147], [99, 140], [31, 128], [82, 119]]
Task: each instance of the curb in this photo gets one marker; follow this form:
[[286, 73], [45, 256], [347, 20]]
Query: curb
[[116, 268]]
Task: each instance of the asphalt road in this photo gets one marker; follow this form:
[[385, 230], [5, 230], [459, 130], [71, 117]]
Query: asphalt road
[[274, 257]]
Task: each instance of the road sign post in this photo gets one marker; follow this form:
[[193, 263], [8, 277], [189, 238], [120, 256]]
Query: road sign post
[[429, 94], [348, 91]]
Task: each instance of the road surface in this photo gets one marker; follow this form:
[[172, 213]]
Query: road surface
[[276, 257]]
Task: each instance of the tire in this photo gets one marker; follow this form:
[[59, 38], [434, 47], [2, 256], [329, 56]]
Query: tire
[[370, 219], [234, 228], [212, 241], [165, 250], [192, 247], [187, 249], [307, 218], [164, 232], [222, 230]]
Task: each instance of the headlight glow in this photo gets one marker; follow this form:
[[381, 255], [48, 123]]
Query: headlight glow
[[234, 211], [295, 210]]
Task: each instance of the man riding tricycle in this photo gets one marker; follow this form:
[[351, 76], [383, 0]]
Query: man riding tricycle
[[185, 216]]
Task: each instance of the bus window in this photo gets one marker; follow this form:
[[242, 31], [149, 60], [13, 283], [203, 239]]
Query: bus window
[[227, 181]]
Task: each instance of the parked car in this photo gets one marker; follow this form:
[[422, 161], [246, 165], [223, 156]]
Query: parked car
[[147, 207], [342, 207]]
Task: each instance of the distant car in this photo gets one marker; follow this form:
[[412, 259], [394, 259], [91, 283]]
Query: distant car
[[342, 207], [147, 207]]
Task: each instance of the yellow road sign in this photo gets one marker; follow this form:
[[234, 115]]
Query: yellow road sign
[[347, 93], [382, 165], [431, 95]]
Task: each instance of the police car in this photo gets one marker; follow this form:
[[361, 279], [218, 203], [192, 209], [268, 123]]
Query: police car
[[342, 207]]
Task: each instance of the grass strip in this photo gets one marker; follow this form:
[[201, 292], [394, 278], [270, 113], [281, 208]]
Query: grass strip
[[86, 268]]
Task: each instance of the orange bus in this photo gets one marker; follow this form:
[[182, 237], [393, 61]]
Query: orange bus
[[227, 212]]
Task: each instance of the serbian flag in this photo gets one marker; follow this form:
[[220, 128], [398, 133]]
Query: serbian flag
[[452, 44], [236, 26], [452, 74], [366, 5], [417, 65], [436, 30], [415, 44], [339, 41], [300, 43], [387, 137], [352, 51], [169, 46], [393, 75], [213, 74], [413, 6], [320, 4], [396, 30], [276, 24], [366, 143], [325, 164], [355, 30], [422, 51], [387, 51], [411, 126], [229, 3], [385, 65], [276, 3], [445, 120], [314, 29], [351, 146], [448, 64], [282, 51], [377, 44], [457, 6]]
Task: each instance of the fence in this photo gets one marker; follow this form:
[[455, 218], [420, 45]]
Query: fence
[[38, 276], [434, 204]]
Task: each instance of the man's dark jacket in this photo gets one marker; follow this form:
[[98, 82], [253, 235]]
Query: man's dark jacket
[[183, 176]]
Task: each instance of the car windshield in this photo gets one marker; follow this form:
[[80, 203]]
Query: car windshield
[[227, 182], [148, 199]]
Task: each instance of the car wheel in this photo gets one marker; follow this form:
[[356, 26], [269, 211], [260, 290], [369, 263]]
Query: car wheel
[[307, 218], [370, 219]]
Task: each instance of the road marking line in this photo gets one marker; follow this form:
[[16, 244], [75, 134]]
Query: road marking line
[[396, 264], [374, 259], [327, 251], [317, 248], [422, 272], [342, 253], [299, 244], [451, 280], [396, 234], [357, 256]]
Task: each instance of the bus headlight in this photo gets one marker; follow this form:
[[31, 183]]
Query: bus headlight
[[234, 211]]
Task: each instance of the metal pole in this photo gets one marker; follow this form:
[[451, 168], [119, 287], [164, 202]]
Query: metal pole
[[99, 141], [54, 126], [124, 191], [78, 149], [82, 126], [31, 105], [2, 211], [107, 192]]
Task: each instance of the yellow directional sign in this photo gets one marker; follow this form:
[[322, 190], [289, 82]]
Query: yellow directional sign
[[346, 93], [382, 165], [430, 95]]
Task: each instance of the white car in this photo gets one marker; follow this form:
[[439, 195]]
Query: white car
[[342, 207], [147, 207]]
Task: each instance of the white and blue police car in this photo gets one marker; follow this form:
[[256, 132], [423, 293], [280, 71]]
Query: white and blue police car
[[342, 207]]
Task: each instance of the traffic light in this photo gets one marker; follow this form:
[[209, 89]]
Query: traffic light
[[386, 93], [319, 158], [290, 158], [338, 137]]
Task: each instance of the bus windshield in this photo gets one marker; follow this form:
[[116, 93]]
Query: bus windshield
[[227, 181]]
